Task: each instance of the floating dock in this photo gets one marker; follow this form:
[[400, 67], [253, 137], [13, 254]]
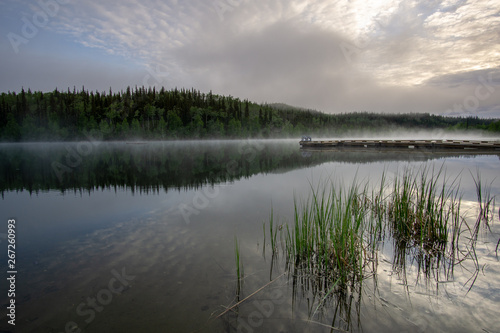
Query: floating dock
[[406, 144]]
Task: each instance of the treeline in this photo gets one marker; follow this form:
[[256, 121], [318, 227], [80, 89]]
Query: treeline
[[145, 113]]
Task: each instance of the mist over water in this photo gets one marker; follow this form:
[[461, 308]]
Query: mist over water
[[166, 214], [413, 134]]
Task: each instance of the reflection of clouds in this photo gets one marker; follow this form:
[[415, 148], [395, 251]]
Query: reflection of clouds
[[447, 305], [181, 269], [168, 260]]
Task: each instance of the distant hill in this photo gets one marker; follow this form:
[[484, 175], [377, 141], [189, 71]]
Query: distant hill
[[283, 106], [142, 113]]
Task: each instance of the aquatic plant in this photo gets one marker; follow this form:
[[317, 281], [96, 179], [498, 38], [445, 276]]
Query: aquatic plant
[[421, 212], [335, 231], [239, 268], [486, 204], [327, 237], [332, 245], [273, 232]]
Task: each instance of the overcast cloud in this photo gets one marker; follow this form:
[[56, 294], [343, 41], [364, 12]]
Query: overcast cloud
[[334, 56]]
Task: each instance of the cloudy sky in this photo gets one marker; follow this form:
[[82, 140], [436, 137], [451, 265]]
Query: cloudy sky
[[334, 56]]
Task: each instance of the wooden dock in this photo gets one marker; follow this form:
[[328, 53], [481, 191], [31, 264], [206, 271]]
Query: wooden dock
[[406, 144]]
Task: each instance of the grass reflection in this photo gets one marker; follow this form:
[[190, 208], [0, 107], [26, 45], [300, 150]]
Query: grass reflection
[[332, 246]]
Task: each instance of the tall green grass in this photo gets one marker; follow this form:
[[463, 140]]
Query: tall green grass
[[239, 268], [486, 204], [326, 240], [424, 208], [331, 245], [335, 231]]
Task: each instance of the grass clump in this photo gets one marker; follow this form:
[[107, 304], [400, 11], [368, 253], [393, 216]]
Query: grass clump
[[423, 209], [332, 245], [335, 232], [326, 240]]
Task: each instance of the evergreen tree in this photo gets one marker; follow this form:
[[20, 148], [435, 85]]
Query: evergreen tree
[[12, 130], [135, 128], [247, 110], [146, 112]]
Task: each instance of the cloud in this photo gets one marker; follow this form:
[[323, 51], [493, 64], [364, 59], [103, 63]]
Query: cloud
[[434, 42], [277, 61], [134, 29], [62, 71], [386, 55], [474, 92]]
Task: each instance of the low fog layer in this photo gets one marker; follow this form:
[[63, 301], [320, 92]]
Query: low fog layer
[[413, 135]]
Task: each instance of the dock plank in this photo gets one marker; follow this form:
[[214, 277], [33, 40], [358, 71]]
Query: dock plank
[[409, 144]]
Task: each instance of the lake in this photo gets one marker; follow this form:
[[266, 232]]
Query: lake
[[144, 237]]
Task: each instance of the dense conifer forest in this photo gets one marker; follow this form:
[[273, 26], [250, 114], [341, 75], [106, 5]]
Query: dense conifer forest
[[146, 113]]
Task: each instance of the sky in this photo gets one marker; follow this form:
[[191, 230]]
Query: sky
[[441, 57]]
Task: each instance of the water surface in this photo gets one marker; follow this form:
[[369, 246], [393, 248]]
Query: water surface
[[141, 237]]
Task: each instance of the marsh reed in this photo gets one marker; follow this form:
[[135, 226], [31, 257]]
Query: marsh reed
[[486, 204], [331, 245], [424, 208], [239, 269], [335, 233]]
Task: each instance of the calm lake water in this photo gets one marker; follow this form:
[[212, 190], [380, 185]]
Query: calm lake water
[[116, 237]]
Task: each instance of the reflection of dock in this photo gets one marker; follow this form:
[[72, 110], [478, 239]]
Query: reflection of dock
[[405, 144]]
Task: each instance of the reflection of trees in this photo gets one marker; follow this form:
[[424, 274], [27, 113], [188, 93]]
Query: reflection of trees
[[161, 165], [143, 168]]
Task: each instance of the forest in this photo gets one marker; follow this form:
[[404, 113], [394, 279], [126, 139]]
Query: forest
[[148, 114]]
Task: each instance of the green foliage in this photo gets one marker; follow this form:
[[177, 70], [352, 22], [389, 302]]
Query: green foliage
[[239, 268], [29, 130], [421, 211], [327, 239], [105, 129], [150, 114], [494, 126], [174, 121], [234, 128], [215, 128], [135, 128], [332, 243], [162, 127], [12, 131], [123, 129]]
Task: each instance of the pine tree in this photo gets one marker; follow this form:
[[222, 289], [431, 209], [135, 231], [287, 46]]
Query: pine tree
[[247, 110], [12, 131]]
